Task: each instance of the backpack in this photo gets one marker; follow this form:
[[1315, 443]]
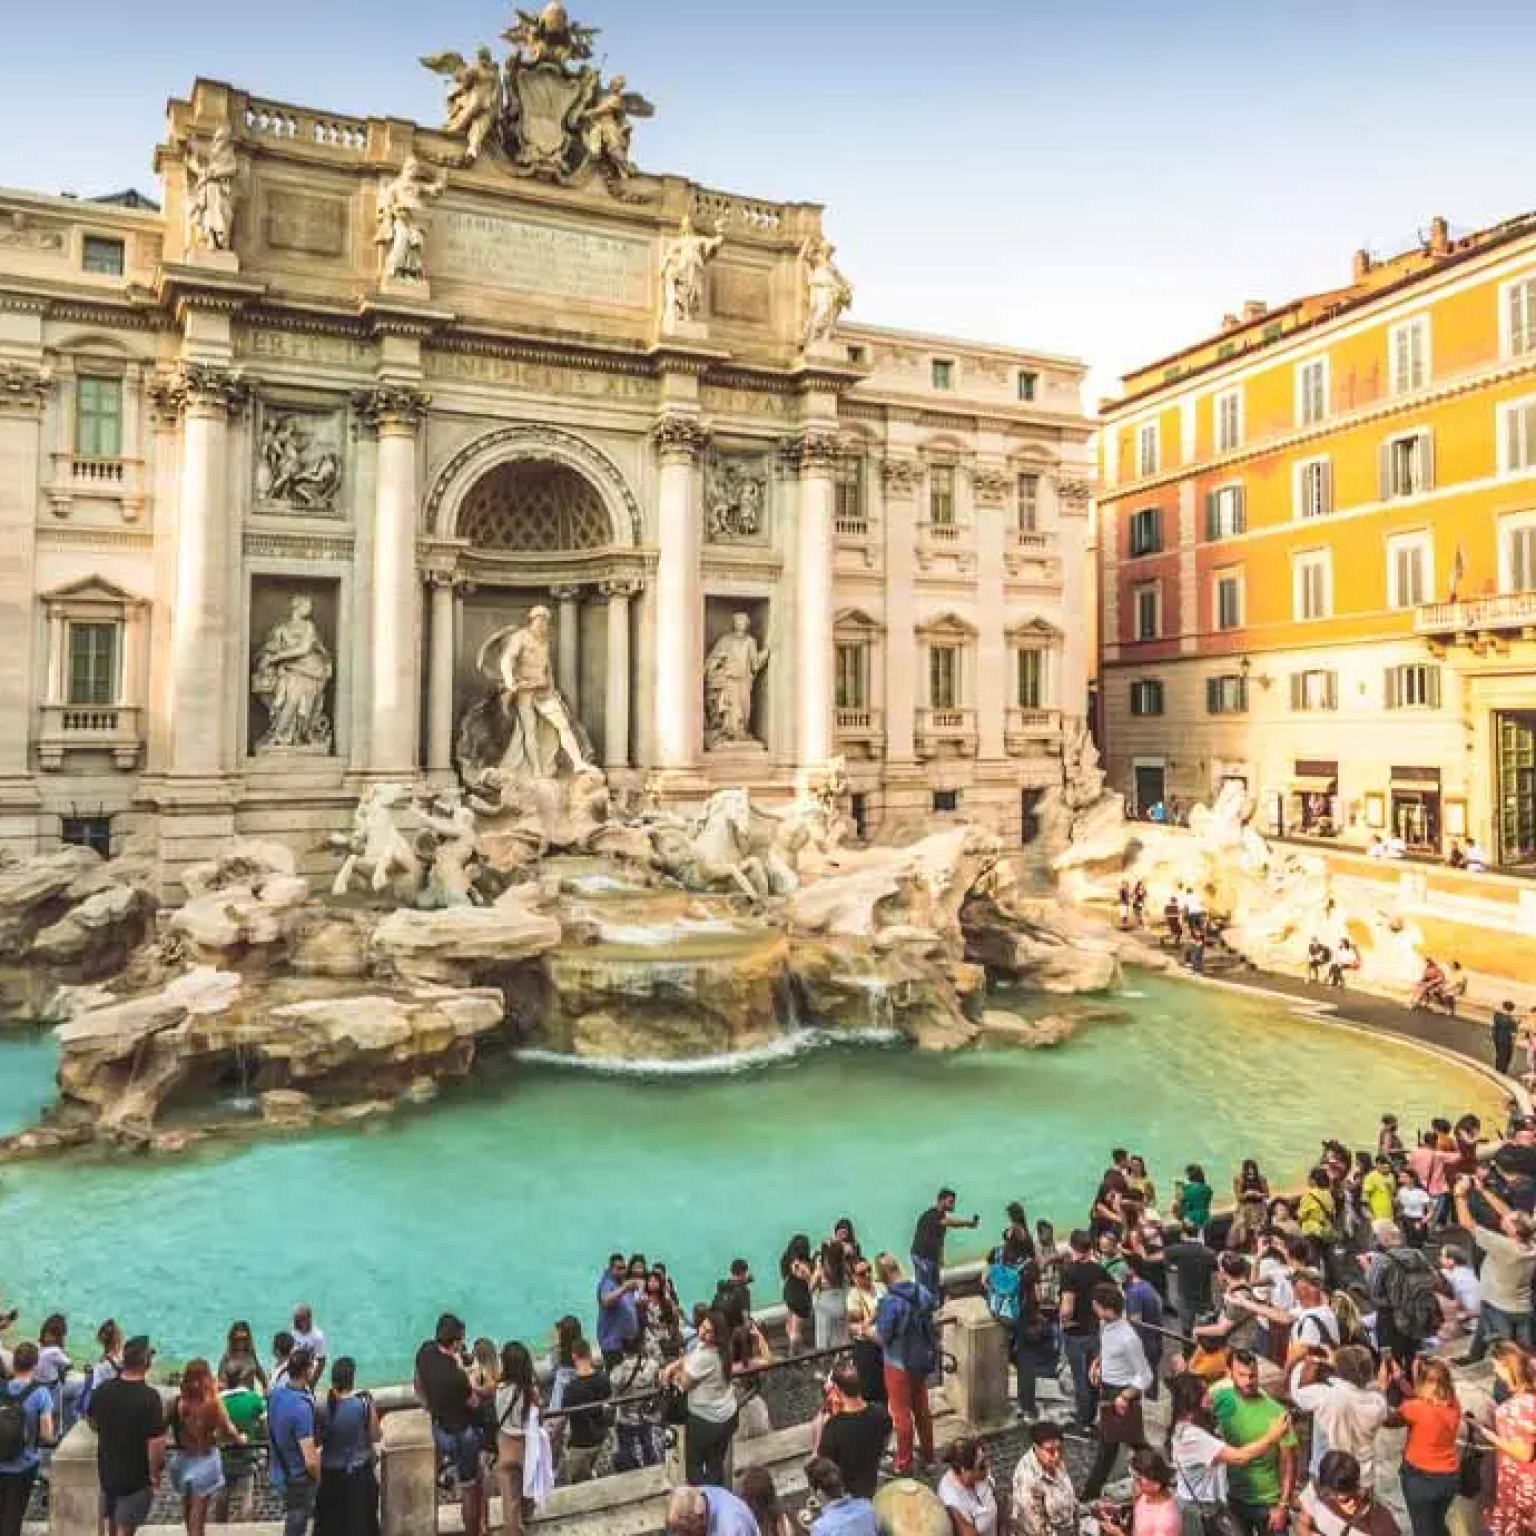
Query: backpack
[[13, 1423], [1405, 1285], [88, 1391], [912, 1326], [1002, 1286]]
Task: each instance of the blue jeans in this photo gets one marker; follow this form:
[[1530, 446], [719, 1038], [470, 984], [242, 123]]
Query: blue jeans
[[1080, 1350], [1495, 1323], [926, 1273], [298, 1506]]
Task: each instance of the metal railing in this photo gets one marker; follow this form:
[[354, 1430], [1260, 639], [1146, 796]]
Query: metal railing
[[1503, 610]]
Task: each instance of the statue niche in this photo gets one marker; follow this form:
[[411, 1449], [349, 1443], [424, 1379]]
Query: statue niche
[[732, 664], [292, 666]]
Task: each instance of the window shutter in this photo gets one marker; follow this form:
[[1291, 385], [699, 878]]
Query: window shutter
[[1384, 470], [1242, 694], [1391, 687], [1211, 526], [1211, 706], [1325, 484], [1298, 690], [1432, 687], [1426, 460], [1240, 510], [1519, 329], [1332, 694], [1157, 531]]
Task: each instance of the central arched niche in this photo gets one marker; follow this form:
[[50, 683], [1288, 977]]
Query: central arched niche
[[534, 506]]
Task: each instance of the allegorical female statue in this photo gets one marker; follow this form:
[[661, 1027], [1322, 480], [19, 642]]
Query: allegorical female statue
[[293, 669], [729, 674], [211, 193]]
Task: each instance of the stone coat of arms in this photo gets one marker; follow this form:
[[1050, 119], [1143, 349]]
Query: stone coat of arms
[[547, 109]]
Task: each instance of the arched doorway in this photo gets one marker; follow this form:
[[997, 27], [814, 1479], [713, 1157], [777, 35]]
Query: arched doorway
[[540, 519]]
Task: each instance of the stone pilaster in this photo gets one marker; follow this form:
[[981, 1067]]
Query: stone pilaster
[[444, 588], [995, 684], [568, 644], [814, 455], [900, 476], [679, 441], [394, 411], [23, 392]]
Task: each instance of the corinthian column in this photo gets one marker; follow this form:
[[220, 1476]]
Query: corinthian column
[[394, 411], [816, 455], [616, 713], [568, 644], [680, 442], [444, 620], [900, 477], [201, 622]]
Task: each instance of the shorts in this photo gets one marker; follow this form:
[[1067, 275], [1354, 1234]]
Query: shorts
[[200, 1475], [127, 1511], [459, 1449]]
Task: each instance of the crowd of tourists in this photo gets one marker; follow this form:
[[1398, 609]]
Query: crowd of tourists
[[1286, 1336]]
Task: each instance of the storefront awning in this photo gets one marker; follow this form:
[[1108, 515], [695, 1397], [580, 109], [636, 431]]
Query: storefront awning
[[1313, 784], [1415, 787]]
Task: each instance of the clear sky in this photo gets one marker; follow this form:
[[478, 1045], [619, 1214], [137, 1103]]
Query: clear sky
[[1099, 177]]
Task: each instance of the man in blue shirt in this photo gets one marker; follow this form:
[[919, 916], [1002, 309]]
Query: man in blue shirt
[[841, 1514], [618, 1310], [36, 1404], [709, 1512], [292, 1449]]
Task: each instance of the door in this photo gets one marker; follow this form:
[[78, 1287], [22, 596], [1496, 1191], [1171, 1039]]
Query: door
[[1515, 772], [1149, 782]]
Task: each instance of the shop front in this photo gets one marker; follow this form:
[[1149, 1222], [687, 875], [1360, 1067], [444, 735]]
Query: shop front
[[1416, 808], [1309, 804]]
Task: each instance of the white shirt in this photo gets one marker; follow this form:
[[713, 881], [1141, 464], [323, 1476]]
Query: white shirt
[[1348, 1417], [1315, 1325], [313, 1341], [1463, 1282], [1122, 1360], [1272, 1272], [978, 1504], [1201, 1475]]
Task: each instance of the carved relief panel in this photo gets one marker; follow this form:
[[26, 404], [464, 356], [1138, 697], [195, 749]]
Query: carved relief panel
[[299, 460], [736, 498]]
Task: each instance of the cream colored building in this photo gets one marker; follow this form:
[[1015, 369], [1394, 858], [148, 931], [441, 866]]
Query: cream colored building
[[195, 431]]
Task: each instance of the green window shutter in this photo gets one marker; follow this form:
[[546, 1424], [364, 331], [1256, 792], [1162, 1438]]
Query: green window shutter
[[1298, 690], [1391, 687], [1212, 696], [1240, 510], [1333, 690], [1432, 690]]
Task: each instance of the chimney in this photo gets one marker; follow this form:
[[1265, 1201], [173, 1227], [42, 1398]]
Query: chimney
[[1254, 309], [1363, 265], [1230, 322], [1439, 237]]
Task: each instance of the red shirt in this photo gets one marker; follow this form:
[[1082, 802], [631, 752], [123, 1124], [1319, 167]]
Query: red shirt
[[1432, 1430]]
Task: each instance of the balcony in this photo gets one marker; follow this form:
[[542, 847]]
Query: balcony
[[950, 542], [1028, 732], [1478, 615], [113, 728], [945, 732], [861, 728], [102, 479]]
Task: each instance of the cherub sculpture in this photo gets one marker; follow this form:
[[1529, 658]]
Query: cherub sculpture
[[475, 99]]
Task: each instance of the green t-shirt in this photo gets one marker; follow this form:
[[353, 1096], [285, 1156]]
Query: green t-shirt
[[1195, 1204], [245, 1407], [1379, 1188], [1242, 1420]]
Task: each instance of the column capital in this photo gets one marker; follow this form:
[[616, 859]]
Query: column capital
[[204, 388], [391, 407], [24, 390], [900, 475], [815, 451], [679, 439], [991, 486], [1073, 491], [454, 581], [620, 586], [565, 594]]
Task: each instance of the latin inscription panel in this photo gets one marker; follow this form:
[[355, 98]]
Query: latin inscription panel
[[541, 259], [296, 221]]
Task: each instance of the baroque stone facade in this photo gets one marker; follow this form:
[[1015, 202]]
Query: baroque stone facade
[[278, 460]]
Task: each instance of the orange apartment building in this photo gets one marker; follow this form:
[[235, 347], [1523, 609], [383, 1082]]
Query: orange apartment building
[[1317, 550]]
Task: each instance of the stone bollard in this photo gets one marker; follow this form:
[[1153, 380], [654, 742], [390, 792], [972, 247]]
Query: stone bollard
[[408, 1486], [978, 1391], [74, 1491]]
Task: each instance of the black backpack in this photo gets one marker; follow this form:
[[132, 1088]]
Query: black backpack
[[13, 1423]]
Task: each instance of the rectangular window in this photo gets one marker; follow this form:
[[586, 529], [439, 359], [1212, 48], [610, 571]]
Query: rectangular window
[[1147, 449], [943, 373], [1408, 570], [852, 676], [1408, 355], [1519, 557], [1147, 696], [1149, 611], [1229, 601], [1029, 503], [1229, 420], [1225, 512], [944, 677], [1314, 690], [98, 417], [1313, 591], [1407, 465], [946, 800], [94, 832], [1028, 384], [1519, 436], [941, 494], [1314, 488], [1414, 685], [92, 664], [1226, 695], [99, 254], [1522, 316], [857, 354], [1146, 531], [1031, 679], [850, 490], [1312, 392]]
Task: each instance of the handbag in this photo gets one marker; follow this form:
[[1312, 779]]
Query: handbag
[[1215, 1519], [1471, 1474]]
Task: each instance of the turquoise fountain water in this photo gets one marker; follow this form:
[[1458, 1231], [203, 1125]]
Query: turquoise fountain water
[[502, 1206]]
